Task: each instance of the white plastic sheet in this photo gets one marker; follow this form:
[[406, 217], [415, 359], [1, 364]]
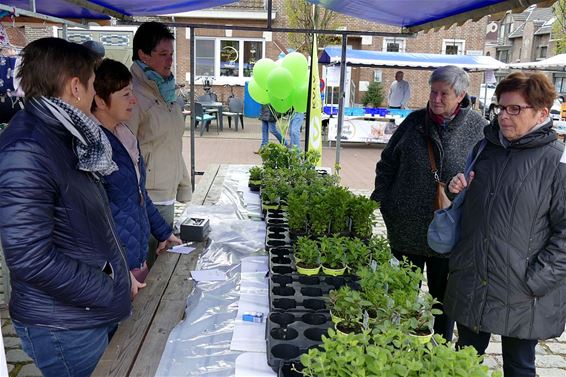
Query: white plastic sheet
[[200, 344]]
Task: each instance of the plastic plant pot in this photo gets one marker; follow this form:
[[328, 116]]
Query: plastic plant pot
[[308, 271]]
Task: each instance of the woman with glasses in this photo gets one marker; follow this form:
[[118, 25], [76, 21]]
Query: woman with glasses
[[508, 271]]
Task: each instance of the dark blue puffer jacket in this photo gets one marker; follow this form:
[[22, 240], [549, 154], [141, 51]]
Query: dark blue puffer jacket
[[135, 217], [57, 231]]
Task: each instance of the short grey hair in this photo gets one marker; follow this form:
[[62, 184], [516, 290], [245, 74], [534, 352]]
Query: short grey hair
[[456, 77]]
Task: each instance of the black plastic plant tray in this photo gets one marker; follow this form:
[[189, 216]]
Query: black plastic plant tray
[[276, 217], [289, 335]]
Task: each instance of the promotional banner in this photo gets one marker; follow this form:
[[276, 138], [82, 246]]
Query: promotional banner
[[315, 124]]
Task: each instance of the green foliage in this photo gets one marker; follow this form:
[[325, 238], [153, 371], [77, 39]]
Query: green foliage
[[255, 173], [559, 26], [349, 306], [390, 354], [332, 252], [374, 95], [298, 208], [357, 254], [361, 210], [300, 15], [307, 251]]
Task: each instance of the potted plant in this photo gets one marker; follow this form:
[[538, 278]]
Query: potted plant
[[307, 256], [337, 199], [254, 182], [418, 316], [319, 219], [361, 210], [374, 95], [332, 256], [346, 309], [297, 211], [357, 254]]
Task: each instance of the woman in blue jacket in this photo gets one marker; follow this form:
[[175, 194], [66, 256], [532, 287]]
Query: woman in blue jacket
[[133, 211], [69, 277]]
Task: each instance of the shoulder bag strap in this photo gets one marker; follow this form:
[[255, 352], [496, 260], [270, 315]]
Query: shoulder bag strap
[[432, 161]]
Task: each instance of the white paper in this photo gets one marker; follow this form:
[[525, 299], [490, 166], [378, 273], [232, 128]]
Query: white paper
[[253, 364], [181, 249], [248, 336], [208, 275]]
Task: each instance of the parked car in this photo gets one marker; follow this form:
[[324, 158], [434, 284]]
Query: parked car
[[482, 96], [555, 110]]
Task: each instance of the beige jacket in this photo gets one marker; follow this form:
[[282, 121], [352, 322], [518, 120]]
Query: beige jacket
[[159, 128]]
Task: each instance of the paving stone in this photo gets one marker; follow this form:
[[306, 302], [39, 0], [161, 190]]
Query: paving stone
[[29, 370], [17, 356], [550, 361], [541, 349], [562, 337], [551, 372], [9, 330], [10, 368], [557, 348], [12, 342], [494, 348], [491, 362]]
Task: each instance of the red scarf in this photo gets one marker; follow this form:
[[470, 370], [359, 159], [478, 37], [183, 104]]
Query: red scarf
[[440, 119]]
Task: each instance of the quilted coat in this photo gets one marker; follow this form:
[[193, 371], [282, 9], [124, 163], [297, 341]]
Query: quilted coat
[[508, 271], [67, 268], [133, 211]]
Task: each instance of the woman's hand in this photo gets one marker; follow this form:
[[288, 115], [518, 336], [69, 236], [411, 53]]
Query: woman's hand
[[164, 245], [458, 183], [136, 286]]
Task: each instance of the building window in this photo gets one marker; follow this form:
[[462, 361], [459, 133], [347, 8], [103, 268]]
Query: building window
[[560, 83], [204, 56], [503, 56], [394, 44], [453, 46], [542, 52], [227, 59]]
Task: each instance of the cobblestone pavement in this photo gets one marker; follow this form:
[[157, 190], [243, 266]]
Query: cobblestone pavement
[[550, 354]]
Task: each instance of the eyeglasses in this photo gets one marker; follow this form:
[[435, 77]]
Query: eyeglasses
[[511, 109]]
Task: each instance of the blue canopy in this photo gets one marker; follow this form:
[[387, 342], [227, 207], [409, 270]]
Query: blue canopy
[[366, 58], [420, 14], [64, 9], [413, 14]]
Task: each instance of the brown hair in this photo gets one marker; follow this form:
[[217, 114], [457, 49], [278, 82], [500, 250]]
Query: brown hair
[[148, 36], [111, 76], [48, 63], [535, 87]]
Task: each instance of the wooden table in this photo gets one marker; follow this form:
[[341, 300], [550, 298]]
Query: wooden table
[[137, 346]]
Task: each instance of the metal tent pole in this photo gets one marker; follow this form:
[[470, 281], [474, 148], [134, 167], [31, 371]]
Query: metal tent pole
[[192, 101], [341, 99]]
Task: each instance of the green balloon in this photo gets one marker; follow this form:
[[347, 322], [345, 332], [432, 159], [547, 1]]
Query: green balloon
[[297, 64], [262, 69], [258, 93], [279, 83], [299, 97], [281, 105]]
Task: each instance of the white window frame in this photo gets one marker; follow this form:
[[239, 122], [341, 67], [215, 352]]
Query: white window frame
[[402, 43], [451, 42], [240, 79]]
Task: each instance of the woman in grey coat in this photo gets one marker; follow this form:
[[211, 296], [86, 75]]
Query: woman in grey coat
[[508, 271], [405, 184]]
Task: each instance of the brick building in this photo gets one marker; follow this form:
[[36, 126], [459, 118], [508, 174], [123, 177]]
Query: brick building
[[466, 39], [228, 55]]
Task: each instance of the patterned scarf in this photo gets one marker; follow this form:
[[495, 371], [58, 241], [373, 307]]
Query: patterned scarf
[[166, 86], [91, 144]]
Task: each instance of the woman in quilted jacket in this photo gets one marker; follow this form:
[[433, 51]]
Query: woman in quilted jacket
[[69, 276], [508, 270], [132, 209]]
